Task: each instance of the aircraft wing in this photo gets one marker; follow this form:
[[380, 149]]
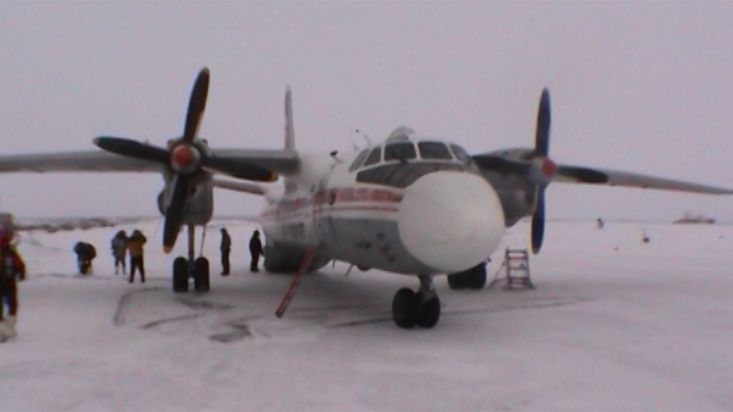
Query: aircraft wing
[[576, 174], [81, 161], [533, 171]]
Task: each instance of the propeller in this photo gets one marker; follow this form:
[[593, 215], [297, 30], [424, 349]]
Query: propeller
[[547, 169], [185, 158]]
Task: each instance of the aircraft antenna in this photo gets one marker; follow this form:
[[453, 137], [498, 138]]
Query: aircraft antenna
[[365, 136]]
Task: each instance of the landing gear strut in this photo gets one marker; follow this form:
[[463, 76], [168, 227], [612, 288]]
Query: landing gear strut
[[196, 268], [422, 307]]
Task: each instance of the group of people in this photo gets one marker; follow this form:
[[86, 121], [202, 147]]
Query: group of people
[[12, 267], [121, 245], [255, 250]]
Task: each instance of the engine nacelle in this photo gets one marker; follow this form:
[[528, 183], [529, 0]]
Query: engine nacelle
[[200, 202], [517, 194]]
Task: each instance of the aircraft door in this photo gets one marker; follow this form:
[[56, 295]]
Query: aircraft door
[[323, 196]]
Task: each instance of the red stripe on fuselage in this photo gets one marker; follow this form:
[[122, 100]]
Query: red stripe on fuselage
[[378, 199]]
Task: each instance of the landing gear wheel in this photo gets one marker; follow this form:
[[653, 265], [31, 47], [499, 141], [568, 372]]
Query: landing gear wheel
[[455, 281], [477, 277], [473, 278], [428, 313], [201, 274], [180, 275], [404, 308]]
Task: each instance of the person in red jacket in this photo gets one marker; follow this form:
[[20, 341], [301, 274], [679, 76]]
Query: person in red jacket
[[12, 268]]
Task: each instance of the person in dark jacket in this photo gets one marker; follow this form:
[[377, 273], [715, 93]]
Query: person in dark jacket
[[12, 269], [225, 247], [135, 246], [255, 249], [85, 253], [119, 251]]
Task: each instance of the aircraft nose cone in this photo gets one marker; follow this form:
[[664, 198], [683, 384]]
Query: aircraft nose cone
[[451, 221]]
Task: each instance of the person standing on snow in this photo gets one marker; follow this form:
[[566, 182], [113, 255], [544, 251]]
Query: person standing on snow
[[225, 247], [12, 269], [135, 245], [119, 251], [255, 249]]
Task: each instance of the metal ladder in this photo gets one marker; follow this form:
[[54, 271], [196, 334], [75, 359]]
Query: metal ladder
[[304, 265], [516, 270]]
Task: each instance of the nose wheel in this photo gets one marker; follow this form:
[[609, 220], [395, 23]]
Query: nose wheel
[[420, 308], [191, 268]]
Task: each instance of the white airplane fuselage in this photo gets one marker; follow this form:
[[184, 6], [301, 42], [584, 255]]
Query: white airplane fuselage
[[445, 218]]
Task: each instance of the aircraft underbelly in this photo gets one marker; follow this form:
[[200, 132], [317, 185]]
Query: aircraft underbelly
[[368, 243]]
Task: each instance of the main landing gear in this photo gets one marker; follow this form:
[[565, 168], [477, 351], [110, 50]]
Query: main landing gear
[[422, 307], [473, 278], [191, 268]]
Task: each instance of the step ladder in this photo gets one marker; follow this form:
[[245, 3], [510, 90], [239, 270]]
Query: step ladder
[[304, 265], [516, 270]]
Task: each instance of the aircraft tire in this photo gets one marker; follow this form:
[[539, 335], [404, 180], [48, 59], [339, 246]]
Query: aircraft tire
[[428, 313], [455, 281], [477, 277], [404, 308], [201, 274], [180, 275]]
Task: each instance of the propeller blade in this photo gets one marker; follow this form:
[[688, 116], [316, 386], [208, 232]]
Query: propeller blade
[[132, 148], [174, 213], [538, 221], [542, 137], [196, 105], [582, 174], [500, 164], [239, 169]]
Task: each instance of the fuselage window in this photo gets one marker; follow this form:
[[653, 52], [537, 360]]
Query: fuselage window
[[460, 153], [399, 151], [434, 150], [374, 157], [359, 160]]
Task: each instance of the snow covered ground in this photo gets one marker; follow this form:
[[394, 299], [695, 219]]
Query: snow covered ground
[[614, 324]]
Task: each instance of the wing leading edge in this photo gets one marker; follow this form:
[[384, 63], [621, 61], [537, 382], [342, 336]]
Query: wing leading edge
[[574, 174], [587, 175], [81, 161]]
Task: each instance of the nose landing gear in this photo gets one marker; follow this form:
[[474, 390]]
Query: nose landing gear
[[185, 269], [422, 307]]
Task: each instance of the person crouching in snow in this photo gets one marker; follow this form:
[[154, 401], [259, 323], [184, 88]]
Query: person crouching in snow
[[12, 269], [85, 252]]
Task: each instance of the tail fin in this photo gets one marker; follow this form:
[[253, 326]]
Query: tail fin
[[289, 134]]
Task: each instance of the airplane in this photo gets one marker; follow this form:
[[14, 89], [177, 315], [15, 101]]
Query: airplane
[[409, 205]]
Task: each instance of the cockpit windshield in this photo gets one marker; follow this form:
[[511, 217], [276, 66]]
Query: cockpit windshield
[[460, 153], [434, 150], [399, 151], [374, 157], [359, 160]]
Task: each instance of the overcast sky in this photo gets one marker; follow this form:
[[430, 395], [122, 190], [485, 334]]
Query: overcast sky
[[646, 87]]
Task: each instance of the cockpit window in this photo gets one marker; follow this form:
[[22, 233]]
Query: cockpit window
[[359, 159], [434, 150], [399, 151], [460, 153], [374, 157]]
